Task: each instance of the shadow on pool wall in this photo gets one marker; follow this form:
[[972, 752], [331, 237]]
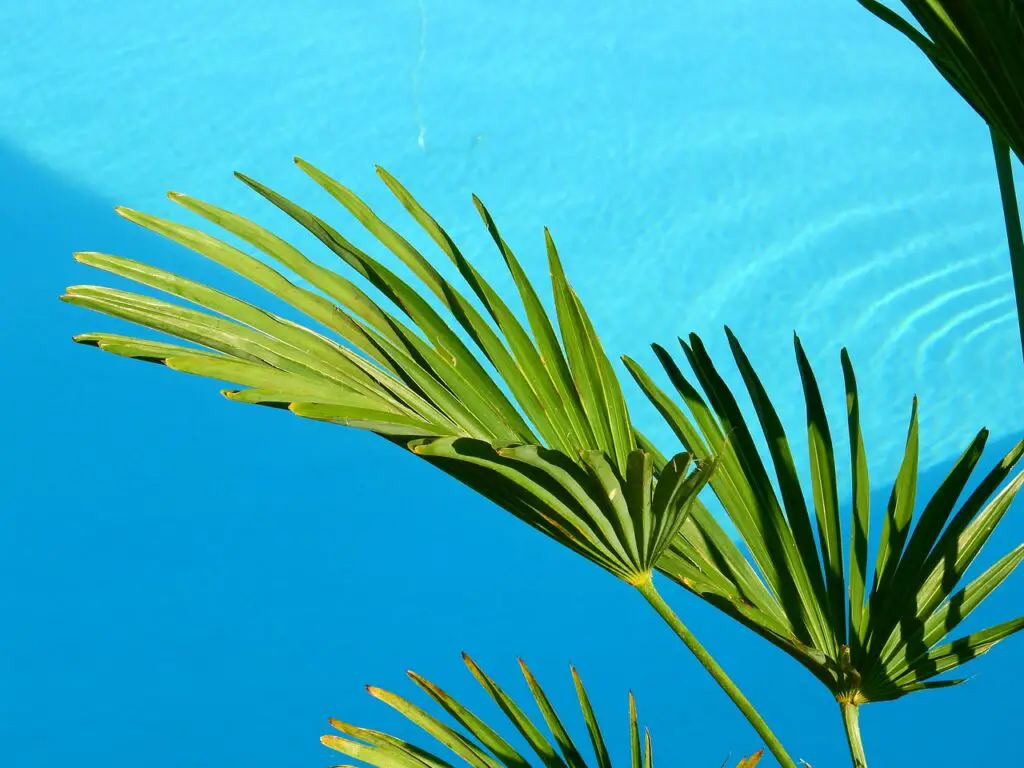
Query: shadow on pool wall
[[191, 578]]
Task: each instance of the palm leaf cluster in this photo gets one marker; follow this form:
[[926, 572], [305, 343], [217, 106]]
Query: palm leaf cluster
[[551, 440], [870, 634], [476, 743], [979, 48]]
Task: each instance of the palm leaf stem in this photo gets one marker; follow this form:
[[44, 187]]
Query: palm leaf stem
[[1011, 214], [771, 741], [851, 723]]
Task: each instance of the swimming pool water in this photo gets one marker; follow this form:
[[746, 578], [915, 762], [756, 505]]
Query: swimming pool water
[[773, 166]]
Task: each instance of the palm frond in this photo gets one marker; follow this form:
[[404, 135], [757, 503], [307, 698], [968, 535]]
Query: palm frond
[[474, 742], [864, 644], [549, 439]]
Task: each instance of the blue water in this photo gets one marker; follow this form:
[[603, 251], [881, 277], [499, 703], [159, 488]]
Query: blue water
[[187, 581]]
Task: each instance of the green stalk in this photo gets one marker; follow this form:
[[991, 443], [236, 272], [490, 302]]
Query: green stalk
[[851, 722], [647, 589], [1011, 214]]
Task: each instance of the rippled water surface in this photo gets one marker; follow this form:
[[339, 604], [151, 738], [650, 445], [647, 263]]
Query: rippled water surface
[[774, 166]]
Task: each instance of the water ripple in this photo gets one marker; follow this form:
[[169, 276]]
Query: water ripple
[[945, 332], [983, 329], [910, 286], [840, 285], [929, 308]]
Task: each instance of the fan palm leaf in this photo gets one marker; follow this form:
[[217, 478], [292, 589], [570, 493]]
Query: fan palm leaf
[[561, 453], [870, 634], [478, 744], [979, 48], [549, 438]]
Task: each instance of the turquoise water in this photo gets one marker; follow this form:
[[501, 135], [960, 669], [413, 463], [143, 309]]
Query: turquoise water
[[774, 166]]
